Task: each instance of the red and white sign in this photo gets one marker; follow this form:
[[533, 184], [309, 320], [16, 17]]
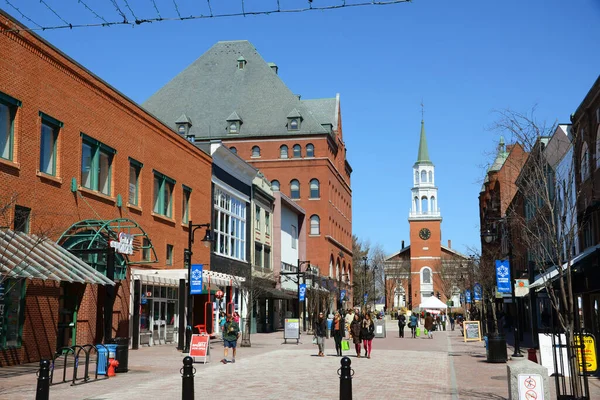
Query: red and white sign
[[124, 245], [199, 346], [531, 387]]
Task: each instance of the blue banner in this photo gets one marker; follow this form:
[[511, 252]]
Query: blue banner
[[468, 296], [196, 279], [302, 293], [477, 292], [342, 295], [503, 276], [366, 297]]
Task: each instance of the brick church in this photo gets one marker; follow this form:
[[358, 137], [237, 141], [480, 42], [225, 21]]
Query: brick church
[[425, 267]]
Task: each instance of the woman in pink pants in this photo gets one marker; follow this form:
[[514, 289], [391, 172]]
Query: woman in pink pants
[[367, 333]]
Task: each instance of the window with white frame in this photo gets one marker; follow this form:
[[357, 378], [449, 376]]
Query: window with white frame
[[229, 225], [585, 162], [315, 192], [310, 150], [297, 151], [255, 151], [294, 237], [257, 218], [295, 189], [275, 185], [283, 151], [8, 111], [315, 225], [267, 223]]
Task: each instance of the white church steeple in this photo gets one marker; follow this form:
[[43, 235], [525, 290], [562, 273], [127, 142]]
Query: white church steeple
[[424, 192]]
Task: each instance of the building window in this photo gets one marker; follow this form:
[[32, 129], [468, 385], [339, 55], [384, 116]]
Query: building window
[[233, 128], [21, 220], [315, 225], [295, 189], [229, 225], [283, 151], [426, 275], [12, 307], [416, 177], [169, 258], [267, 223], [266, 257], [585, 162], [257, 217], [297, 151], [135, 168], [294, 124], [8, 111], [48, 142], [430, 177], [258, 253], [256, 151], [598, 148], [275, 185], [185, 207], [96, 163], [233, 150], [423, 177], [294, 237], [145, 250], [163, 195], [310, 150], [315, 192]]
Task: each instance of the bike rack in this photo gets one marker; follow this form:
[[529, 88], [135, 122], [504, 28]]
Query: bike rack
[[76, 351]]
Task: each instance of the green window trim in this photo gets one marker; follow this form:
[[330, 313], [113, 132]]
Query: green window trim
[[10, 100], [95, 172], [187, 188], [162, 176], [94, 142], [51, 120], [187, 194], [136, 163], [164, 184], [134, 193]]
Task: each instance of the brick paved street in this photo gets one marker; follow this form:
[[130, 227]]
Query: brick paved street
[[440, 368]]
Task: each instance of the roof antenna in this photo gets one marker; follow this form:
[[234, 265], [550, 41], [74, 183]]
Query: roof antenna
[[422, 110]]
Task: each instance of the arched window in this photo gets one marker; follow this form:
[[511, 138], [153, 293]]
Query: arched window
[[424, 204], [255, 151], [430, 176], [433, 209], [416, 199], [416, 176], [330, 267], [426, 275], [293, 124], [585, 162], [315, 225], [275, 185], [295, 189], [233, 127], [315, 193], [310, 150], [283, 151], [233, 150], [297, 151], [423, 176]]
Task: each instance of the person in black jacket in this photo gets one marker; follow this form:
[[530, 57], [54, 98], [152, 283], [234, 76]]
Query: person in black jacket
[[401, 324], [338, 332], [367, 333], [320, 333]]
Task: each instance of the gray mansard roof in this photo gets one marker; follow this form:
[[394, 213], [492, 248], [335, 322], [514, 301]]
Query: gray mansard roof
[[212, 89]]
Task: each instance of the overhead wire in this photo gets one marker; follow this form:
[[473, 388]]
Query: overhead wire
[[130, 10], [54, 12], [209, 7], [156, 8], [92, 11], [194, 17]]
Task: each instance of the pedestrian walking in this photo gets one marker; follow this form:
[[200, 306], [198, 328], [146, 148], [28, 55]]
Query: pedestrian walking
[[338, 332], [401, 324], [429, 325], [355, 327], [414, 322], [320, 333], [451, 319], [349, 318], [231, 333], [236, 317], [367, 333]]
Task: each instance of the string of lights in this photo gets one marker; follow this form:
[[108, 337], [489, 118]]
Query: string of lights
[[54, 12], [156, 8], [138, 21], [130, 10]]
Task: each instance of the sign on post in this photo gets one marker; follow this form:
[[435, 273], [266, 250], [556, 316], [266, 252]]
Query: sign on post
[[200, 347], [531, 387], [468, 296], [589, 353], [291, 330], [477, 292], [472, 331], [302, 293], [196, 279], [366, 297], [521, 287], [342, 295], [503, 276]]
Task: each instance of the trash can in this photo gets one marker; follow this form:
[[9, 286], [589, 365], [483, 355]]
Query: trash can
[[379, 328], [102, 359], [329, 327], [121, 352], [496, 348]]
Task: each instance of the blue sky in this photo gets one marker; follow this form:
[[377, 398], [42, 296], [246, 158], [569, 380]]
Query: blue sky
[[464, 58]]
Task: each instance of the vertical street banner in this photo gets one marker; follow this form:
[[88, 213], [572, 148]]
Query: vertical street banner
[[366, 297], [302, 293], [342, 295], [503, 276], [477, 292], [196, 279], [468, 296]]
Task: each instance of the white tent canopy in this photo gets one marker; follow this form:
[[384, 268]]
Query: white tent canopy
[[432, 303]]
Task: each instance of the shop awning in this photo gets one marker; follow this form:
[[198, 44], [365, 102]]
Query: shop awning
[[274, 293], [552, 273], [29, 256], [170, 277]]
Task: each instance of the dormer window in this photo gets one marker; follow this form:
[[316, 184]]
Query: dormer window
[[294, 124], [241, 62], [234, 122], [294, 120], [184, 123], [233, 127]]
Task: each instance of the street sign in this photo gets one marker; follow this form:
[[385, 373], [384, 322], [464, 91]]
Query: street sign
[[199, 347], [521, 287], [531, 387], [196, 279], [503, 276], [302, 293]]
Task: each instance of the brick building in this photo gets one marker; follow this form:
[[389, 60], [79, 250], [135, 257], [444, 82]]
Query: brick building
[[81, 163], [230, 93]]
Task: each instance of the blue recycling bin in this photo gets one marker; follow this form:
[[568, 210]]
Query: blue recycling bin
[[102, 360], [112, 350]]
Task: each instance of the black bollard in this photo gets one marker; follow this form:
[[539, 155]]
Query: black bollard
[[345, 373], [187, 379], [43, 383]]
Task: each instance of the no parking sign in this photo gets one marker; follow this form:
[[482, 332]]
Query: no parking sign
[[531, 387]]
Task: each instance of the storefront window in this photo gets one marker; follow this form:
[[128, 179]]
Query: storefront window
[[12, 304]]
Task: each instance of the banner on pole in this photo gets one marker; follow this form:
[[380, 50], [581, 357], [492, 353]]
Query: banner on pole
[[503, 276], [342, 295], [302, 291], [196, 279], [477, 292], [468, 296], [366, 297]]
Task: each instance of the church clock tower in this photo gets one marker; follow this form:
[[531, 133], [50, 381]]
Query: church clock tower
[[425, 227]]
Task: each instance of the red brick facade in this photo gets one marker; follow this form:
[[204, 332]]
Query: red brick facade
[[45, 80]]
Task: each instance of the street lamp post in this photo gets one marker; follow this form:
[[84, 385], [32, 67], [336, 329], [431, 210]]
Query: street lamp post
[[298, 274], [364, 285], [207, 239], [374, 288]]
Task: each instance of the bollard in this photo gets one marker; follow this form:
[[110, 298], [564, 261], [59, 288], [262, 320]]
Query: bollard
[[345, 373], [43, 384], [187, 379]]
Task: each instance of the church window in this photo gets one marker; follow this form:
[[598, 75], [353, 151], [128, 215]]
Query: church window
[[416, 176], [433, 209], [416, 204], [424, 205], [430, 176], [426, 275], [423, 176]]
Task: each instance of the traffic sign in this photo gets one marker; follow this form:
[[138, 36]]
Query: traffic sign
[[531, 387]]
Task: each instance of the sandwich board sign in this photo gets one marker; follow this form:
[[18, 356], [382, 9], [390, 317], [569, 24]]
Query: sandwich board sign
[[200, 347], [291, 329]]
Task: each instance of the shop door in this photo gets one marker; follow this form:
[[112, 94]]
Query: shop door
[[68, 305], [160, 326]]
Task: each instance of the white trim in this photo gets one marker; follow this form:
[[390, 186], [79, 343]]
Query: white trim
[[222, 185]]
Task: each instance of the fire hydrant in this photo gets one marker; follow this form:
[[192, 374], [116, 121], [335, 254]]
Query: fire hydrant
[[112, 364]]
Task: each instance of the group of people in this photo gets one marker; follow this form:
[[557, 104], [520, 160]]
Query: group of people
[[353, 325]]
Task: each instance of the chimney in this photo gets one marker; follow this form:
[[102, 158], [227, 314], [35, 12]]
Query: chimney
[[449, 243], [274, 67], [403, 244]]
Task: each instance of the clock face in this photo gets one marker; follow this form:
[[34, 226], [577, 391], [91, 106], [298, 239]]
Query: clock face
[[424, 233]]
